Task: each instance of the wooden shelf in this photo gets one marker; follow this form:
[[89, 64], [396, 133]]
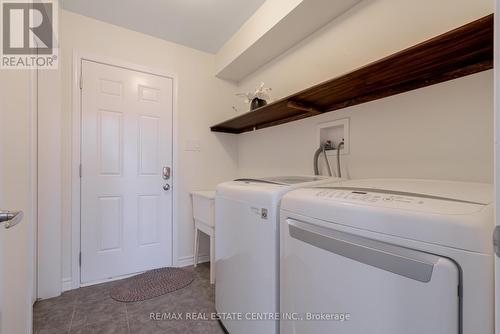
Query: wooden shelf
[[457, 53]]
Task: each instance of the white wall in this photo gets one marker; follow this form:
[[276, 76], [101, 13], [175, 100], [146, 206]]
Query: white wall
[[201, 102], [443, 131]]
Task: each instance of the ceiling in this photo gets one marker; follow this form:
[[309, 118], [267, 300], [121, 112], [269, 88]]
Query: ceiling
[[201, 24]]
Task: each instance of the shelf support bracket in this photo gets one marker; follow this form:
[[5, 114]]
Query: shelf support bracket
[[302, 107]]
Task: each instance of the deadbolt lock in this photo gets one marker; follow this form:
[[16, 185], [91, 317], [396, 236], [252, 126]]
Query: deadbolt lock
[[166, 173]]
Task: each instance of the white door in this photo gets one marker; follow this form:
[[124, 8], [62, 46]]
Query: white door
[[16, 193], [126, 213]]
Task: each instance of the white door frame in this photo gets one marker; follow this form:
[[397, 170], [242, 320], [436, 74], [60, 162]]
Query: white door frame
[[33, 217], [76, 154], [496, 169]]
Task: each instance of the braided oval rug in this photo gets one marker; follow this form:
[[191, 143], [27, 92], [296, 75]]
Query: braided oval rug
[[151, 284]]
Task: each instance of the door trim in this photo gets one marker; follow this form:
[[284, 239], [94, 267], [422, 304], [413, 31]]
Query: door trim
[[496, 159], [76, 154], [33, 217]]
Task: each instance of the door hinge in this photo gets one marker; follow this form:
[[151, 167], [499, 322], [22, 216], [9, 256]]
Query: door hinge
[[496, 240], [80, 170], [81, 82], [80, 259]]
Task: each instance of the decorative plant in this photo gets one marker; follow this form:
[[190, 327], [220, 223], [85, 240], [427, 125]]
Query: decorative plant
[[261, 93]]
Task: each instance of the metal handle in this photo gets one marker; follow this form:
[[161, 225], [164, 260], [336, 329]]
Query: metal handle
[[166, 173], [392, 258], [496, 240], [166, 187], [10, 218]]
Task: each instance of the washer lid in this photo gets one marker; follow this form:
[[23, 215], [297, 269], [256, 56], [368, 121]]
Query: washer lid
[[452, 214], [267, 189], [286, 180]]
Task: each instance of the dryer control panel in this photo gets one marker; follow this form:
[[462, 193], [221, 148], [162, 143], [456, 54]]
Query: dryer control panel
[[396, 200], [367, 197]]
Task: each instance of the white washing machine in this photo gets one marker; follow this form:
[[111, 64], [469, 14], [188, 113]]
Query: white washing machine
[[388, 257], [247, 251]]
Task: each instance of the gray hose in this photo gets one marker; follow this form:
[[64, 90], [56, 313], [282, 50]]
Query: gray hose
[[316, 158], [339, 172], [327, 162]]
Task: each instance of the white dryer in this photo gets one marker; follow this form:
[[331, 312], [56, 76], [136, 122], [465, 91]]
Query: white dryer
[[388, 257], [247, 250]]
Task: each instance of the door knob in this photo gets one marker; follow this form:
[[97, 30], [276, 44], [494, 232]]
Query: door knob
[[166, 187], [10, 218], [496, 240]]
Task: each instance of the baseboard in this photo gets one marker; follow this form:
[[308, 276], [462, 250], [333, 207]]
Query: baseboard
[[67, 284], [107, 280], [186, 261]]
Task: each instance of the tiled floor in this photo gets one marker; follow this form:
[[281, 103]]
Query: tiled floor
[[90, 310]]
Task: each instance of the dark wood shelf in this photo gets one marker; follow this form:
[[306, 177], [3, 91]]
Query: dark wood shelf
[[457, 53]]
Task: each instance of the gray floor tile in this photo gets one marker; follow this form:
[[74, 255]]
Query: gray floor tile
[[55, 320], [105, 327], [106, 310], [205, 327], [51, 331], [157, 327], [91, 310]]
